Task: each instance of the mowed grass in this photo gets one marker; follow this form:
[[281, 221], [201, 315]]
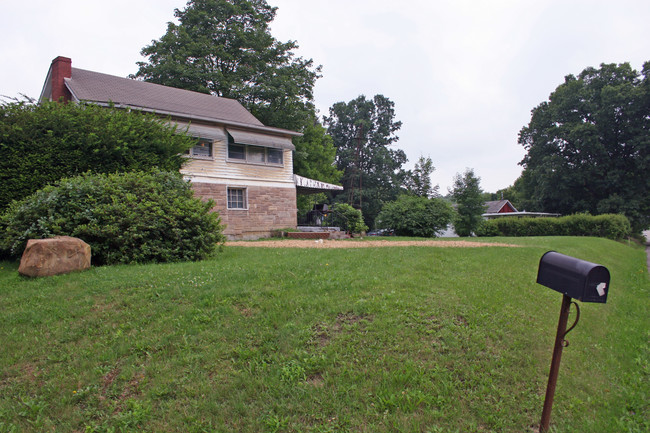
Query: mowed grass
[[398, 339]]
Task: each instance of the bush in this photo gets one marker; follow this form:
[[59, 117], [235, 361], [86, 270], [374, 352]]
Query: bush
[[348, 218], [416, 216], [133, 217], [41, 144], [611, 226]]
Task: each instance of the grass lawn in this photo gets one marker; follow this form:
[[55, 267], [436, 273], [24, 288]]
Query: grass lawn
[[399, 339]]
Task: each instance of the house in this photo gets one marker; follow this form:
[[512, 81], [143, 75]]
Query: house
[[503, 208], [498, 207], [243, 165]]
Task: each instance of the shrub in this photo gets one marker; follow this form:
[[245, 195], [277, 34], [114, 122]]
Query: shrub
[[133, 217], [612, 226], [41, 144], [348, 218], [416, 216]]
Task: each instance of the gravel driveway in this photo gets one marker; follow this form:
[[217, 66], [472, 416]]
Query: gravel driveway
[[362, 244]]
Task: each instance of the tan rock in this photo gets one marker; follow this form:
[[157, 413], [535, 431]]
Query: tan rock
[[54, 256]]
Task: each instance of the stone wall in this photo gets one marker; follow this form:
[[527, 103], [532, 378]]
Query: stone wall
[[269, 208]]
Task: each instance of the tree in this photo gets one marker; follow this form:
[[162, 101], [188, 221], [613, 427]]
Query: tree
[[315, 153], [467, 194], [225, 48], [588, 146], [40, 144], [411, 215], [362, 130], [314, 158], [418, 181]]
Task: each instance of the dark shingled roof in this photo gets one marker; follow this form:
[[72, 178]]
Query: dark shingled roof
[[103, 88]]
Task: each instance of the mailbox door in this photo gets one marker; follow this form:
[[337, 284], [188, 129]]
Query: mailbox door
[[597, 285]]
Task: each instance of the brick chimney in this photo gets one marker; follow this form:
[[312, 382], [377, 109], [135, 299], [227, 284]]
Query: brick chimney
[[61, 68]]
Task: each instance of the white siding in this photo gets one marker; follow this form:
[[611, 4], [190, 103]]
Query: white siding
[[220, 168]]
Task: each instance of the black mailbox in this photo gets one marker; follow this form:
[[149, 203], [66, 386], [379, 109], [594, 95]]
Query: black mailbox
[[578, 279]]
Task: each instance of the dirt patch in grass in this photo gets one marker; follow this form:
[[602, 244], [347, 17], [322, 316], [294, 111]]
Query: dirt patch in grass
[[294, 243]]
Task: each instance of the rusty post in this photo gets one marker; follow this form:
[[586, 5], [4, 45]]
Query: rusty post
[[555, 363]]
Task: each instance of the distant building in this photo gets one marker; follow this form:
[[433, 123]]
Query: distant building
[[503, 208]]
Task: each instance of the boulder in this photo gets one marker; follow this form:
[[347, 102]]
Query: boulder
[[59, 255]]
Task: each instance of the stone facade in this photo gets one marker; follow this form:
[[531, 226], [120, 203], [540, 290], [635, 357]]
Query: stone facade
[[269, 208]]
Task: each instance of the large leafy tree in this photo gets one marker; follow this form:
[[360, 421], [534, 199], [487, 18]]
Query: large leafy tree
[[225, 48], [589, 145], [467, 194], [363, 131]]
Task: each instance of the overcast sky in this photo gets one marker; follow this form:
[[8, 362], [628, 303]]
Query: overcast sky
[[463, 74]]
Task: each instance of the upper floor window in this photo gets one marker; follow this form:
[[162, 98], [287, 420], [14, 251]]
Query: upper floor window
[[255, 154], [202, 149]]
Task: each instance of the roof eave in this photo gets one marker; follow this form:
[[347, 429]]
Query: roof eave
[[262, 128]]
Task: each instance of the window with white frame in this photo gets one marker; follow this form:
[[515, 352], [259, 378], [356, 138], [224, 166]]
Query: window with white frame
[[237, 198], [202, 149]]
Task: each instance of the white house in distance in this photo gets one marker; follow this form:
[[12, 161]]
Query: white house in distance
[[243, 165]]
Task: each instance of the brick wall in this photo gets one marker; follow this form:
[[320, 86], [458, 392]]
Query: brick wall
[[268, 209]]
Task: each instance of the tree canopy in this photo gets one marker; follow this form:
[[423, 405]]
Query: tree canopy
[[588, 146], [363, 130], [225, 48]]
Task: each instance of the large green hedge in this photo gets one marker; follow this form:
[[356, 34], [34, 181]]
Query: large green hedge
[[133, 217], [40, 144], [612, 226], [348, 218], [416, 216]]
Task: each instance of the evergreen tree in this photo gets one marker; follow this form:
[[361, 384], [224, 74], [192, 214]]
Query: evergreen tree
[[468, 195]]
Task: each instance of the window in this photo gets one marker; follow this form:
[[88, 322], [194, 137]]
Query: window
[[203, 149], [254, 154], [236, 151], [274, 156], [237, 198]]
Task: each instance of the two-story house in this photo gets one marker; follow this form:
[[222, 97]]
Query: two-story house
[[243, 165]]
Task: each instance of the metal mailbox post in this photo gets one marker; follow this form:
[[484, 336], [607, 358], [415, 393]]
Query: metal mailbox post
[[577, 279]]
